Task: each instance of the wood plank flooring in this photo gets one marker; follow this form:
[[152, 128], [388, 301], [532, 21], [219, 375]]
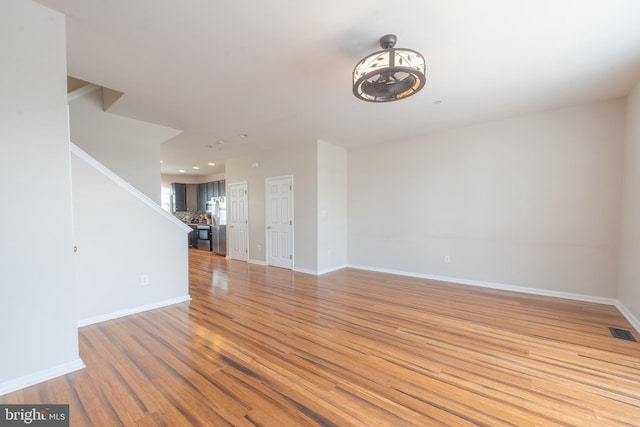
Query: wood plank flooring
[[262, 346]]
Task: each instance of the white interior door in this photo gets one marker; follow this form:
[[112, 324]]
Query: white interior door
[[237, 221], [279, 221]]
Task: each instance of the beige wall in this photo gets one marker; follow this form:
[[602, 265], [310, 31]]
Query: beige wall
[[128, 147], [332, 207], [629, 278], [532, 201], [319, 171], [37, 288], [299, 161], [113, 222]]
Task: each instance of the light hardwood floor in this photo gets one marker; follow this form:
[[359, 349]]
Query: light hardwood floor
[[262, 346]]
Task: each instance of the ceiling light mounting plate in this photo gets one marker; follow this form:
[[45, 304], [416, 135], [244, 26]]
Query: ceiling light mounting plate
[[388, 41]]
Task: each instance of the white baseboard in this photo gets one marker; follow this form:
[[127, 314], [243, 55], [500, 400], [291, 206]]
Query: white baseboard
[[629, 316], [130, 311], [567, 295], [329, 270], [40, 376], [500, 286], [303, 270]]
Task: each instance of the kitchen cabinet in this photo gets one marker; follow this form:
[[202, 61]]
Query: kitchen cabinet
[[185, 197], [179, 194], [194, 197], [206, 191], [203, 196]]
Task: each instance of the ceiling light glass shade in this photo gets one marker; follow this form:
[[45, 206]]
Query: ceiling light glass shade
[[389, 74]]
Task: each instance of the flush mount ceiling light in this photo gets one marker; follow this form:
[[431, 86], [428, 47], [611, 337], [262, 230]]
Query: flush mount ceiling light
[[389, 74]]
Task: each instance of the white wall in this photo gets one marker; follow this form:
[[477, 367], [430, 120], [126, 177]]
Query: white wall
[[531, 201], [332, 207], [37, 303], [129, 147], [629, 277], [299, 161], [122, 235]]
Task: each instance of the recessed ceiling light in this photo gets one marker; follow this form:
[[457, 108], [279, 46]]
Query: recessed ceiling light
[[437, 101], [161, 161], [243, 135], [196, 168], [211, 164], [182, 171], [220, 142]]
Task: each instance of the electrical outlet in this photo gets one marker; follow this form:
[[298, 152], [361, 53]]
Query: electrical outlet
[[447, 259], [144, 279]]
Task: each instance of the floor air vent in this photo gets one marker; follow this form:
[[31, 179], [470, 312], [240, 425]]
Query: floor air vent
[[622, 334]]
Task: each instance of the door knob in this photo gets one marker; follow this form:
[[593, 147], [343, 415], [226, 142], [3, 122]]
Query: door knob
[[231, 226], [269, 228]]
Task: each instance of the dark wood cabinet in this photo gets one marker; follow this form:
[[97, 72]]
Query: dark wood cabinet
[[203, 197], [185, 197], [179, 194], [194, 197], [206, 191]]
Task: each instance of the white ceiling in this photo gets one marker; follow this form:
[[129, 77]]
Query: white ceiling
[[280, 70]]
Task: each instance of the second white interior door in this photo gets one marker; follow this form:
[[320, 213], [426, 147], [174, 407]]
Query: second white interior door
[[279, 221]]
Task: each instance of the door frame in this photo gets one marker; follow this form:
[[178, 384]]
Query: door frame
[[266, 215]]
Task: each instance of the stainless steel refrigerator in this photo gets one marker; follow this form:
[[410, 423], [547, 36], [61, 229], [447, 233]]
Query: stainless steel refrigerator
[[219, 228]]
